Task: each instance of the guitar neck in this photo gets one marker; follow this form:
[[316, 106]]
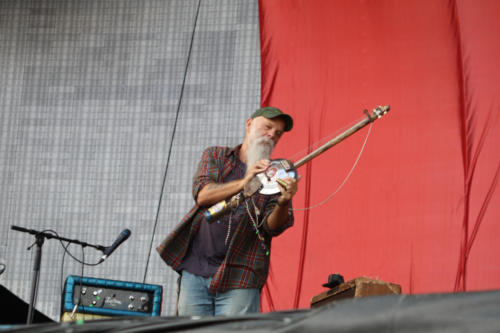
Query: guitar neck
[[377, 113]]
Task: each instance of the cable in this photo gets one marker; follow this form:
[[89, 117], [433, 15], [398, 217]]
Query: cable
[[82, 262], [345, 179], [62, 267], [81, 284], [172, 140], [65, 247]]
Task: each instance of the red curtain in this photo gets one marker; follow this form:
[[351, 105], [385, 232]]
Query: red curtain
[[422, 206]]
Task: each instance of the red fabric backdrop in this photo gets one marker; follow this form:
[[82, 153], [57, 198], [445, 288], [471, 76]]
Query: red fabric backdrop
[[421, 209]]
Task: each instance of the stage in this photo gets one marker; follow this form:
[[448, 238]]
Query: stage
[[108, 106], [457, 312]]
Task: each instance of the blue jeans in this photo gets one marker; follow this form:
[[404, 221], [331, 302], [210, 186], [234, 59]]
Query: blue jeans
[[195, 299]]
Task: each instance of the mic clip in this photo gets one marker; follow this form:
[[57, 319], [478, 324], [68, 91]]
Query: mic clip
[[124, 235]]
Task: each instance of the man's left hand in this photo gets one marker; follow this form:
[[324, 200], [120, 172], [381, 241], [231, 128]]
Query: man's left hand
[[288, 191]]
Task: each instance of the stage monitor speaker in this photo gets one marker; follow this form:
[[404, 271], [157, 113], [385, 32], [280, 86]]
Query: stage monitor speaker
[[356, 288], [99, 298]]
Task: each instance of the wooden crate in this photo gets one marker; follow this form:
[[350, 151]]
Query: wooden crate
[[356, 288]]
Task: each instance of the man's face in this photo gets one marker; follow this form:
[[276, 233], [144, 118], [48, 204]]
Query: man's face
[[262, 135], [263, 127]]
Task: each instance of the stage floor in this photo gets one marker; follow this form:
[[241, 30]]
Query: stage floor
[[454, 312]]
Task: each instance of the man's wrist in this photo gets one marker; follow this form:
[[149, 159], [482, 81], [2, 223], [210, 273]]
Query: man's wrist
[[283, 203]]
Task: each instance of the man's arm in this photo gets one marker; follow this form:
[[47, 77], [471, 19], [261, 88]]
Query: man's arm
[[213, 193]]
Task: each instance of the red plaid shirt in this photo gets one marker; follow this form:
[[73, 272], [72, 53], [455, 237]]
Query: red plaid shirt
[[246, 264]]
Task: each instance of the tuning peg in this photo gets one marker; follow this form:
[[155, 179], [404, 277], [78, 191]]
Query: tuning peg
[[382, 110]]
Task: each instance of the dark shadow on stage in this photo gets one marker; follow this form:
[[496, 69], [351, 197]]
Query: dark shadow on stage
[[15, 310]]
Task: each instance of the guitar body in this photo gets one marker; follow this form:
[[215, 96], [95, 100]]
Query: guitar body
[[278, 169]]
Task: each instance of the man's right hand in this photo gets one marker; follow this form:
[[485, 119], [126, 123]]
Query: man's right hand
[[213, 193], [258, 167]]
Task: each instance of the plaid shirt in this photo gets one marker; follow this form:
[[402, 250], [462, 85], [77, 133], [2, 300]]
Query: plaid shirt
[[246, 264]]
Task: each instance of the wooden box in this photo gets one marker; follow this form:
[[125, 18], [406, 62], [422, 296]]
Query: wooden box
[[356, 288]]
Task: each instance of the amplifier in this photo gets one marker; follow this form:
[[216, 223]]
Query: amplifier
[[110, 297]]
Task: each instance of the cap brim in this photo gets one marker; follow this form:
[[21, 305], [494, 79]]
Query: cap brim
[[288, 121]]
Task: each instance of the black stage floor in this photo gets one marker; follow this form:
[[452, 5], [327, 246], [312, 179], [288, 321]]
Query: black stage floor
[[457, 312]]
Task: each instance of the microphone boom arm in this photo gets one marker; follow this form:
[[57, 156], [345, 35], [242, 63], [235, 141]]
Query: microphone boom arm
[[50, 236]]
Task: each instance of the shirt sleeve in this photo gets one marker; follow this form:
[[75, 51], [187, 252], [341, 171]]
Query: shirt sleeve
[[209, 170], [271, 204]]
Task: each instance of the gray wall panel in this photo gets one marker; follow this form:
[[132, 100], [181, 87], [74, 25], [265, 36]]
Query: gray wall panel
[[88, 99]]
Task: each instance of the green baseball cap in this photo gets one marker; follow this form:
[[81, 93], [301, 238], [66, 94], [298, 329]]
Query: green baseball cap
[[271, 112]]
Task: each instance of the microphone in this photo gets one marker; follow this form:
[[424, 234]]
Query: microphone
[[122, 237]]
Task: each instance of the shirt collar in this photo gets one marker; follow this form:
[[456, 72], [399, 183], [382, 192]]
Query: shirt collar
[[234, 151]]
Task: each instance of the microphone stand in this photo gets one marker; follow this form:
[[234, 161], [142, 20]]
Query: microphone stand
[[40, 238]]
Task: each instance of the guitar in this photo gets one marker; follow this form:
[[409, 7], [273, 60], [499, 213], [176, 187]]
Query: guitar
[[267, 182]]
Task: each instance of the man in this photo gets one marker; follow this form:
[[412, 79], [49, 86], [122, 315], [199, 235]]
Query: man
[[224, 263]]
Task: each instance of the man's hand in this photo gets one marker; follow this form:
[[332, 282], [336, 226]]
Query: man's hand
[[280, 213], [288, 188], [212, 193], [258, 167]]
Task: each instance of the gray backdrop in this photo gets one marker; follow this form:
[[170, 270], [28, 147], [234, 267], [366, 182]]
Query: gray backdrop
[[89, 91]]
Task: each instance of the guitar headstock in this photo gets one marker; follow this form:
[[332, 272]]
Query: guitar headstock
[[378, 112]]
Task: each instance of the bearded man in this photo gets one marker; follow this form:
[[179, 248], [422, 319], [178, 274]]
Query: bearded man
[[224, 263]]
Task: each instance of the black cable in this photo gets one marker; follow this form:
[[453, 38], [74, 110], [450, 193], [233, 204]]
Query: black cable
[[62, 277], [83, 263], [66, 249], [81, 281], [62, 267], [172, 141]]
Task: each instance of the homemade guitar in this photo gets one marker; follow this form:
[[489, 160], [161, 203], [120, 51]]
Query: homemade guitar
[[269, 181]]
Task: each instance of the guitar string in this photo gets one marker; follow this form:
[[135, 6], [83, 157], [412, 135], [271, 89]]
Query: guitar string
[[345, 179]]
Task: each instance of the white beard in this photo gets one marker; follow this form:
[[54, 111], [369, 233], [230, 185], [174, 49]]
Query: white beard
[[260, 148]]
